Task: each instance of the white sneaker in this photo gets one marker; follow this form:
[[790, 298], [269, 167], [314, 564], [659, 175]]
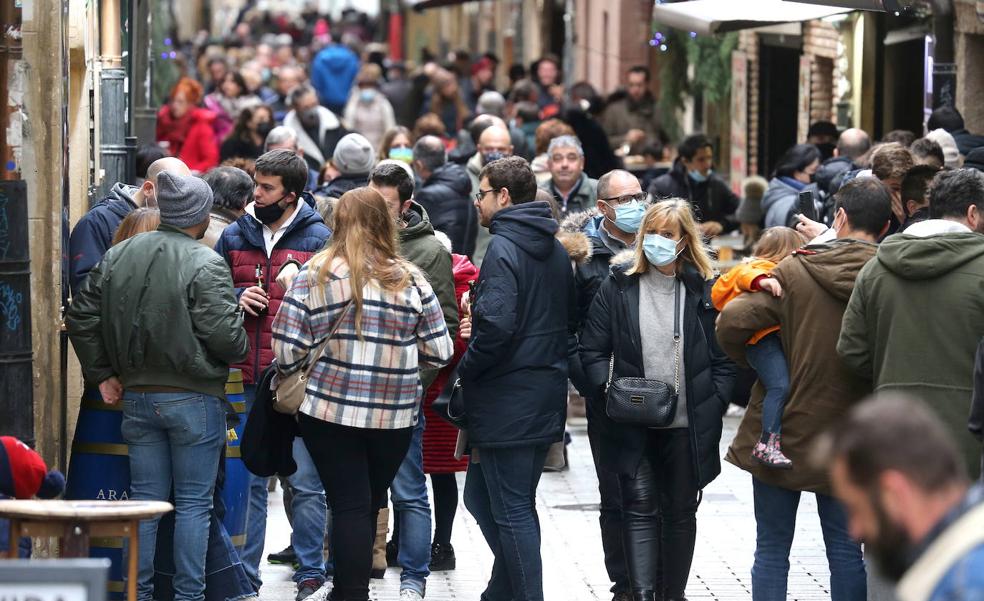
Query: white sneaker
[[408, 594]]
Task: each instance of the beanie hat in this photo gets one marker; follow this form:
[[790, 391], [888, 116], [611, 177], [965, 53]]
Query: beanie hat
[[184, 200], [23, 473], [951, 154], [354, 155]]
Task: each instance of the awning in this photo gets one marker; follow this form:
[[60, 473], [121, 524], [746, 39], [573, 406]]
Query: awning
[[419, 5], [719, 16]]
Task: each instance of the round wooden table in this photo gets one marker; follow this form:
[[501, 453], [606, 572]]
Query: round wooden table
[[75, 522]]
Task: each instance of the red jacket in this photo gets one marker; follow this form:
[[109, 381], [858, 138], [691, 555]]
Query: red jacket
[[241, 245], [191, 138], [440, 437]]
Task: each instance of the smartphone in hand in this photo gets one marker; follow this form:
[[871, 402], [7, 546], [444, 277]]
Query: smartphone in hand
[[808, 205]]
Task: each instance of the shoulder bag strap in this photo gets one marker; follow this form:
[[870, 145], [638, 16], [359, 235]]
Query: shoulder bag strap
[[324, 345], [676, 337]]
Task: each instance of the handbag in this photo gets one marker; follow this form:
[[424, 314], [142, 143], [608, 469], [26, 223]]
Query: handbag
[[450, 404], [289, 390], [643, 401]]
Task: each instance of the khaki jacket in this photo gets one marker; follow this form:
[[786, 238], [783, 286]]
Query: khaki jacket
[[817, 282]]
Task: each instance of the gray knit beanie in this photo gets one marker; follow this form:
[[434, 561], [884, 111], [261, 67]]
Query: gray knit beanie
[[354, 155], [184, 200]]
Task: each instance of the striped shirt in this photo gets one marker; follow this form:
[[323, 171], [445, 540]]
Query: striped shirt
[[369, 383]]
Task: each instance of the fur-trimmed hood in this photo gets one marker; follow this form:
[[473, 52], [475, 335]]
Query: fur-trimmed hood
[[577, 245]]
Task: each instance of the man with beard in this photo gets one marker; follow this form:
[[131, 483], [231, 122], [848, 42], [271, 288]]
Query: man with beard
[[912, 504], [932, 271]]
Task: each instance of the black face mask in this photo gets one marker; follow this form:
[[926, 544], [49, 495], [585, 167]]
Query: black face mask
[[271, 212], [263, 128], [826, 150]]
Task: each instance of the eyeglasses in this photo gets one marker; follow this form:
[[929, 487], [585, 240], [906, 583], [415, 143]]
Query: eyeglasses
[[481, 193], [621, 200]]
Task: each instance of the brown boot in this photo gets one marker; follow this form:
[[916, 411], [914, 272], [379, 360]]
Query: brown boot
[[379, 545]]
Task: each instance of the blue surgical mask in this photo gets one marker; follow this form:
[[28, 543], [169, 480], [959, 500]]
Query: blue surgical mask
[[493, 155], [628, 216], [659, 250], [367, 95], [401, 154], [697, 176]]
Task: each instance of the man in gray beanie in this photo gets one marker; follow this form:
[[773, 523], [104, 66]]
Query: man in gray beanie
[[156, 325], [354, 158]]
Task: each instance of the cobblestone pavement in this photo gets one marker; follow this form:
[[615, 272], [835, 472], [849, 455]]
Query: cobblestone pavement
[[573, 567]]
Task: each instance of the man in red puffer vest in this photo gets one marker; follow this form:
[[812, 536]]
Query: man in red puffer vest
[[278, 230]]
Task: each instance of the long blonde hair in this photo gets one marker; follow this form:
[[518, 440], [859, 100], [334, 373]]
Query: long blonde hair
[[365, 238], [674, 210]]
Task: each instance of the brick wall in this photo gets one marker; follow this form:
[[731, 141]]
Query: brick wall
[[820, 43], [749, 43]]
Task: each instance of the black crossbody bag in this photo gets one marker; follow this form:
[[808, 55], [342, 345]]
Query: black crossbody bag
[[642, 401]]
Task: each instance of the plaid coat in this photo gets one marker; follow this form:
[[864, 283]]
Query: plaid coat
[[369, 383]]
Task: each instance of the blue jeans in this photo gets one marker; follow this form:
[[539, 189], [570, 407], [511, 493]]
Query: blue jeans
[[309, 510], [769, 362], [500, 492], [775, 518], [174, 438], [409, 493]]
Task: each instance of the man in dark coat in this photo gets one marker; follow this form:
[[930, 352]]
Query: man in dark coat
[[607, 240], [851, 144], [93, 234], [692, 178], [445, 193], [514, 373]]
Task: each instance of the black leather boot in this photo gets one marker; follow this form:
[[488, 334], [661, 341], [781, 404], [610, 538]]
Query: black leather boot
[[643, 596]]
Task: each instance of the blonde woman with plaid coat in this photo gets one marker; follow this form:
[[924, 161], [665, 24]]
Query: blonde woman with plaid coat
[[363, 395]]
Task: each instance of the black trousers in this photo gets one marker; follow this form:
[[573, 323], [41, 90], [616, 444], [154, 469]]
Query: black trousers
[[659, 516], [610, 517], [357, 466]]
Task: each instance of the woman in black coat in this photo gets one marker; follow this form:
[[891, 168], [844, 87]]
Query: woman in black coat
[[661, 471]]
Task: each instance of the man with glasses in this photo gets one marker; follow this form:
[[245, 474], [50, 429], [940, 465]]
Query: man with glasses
[[611, 232], [573, 190]]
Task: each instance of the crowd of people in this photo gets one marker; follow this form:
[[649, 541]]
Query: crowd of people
[[392, 231]]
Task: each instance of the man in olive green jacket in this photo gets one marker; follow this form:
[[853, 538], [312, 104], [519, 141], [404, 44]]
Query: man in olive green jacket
[[420, 246], [917, 312], [158, 317]]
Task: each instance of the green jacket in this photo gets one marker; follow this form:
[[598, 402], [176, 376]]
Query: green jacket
[[914, 321], [419, 246], [159, 310]]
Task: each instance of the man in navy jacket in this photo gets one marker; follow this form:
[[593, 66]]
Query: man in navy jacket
[[93, 234], [514, 373]]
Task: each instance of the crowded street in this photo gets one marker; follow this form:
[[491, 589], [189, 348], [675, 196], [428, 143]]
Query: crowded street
[[492, 300], [567, 503]]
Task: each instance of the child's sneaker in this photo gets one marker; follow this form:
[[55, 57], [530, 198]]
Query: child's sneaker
[[769, 453]]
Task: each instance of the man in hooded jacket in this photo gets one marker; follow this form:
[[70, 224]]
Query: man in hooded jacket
[[93, 234], [932, 270], [816, 282], [514, 373]]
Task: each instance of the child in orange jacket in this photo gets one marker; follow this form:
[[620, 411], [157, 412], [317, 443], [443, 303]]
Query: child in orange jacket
[[764, 350]]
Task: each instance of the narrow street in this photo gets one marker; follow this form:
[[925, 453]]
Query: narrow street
[[573, 566]]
